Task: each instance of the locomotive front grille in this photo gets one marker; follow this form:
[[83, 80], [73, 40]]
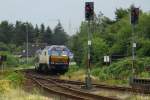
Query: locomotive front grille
[[59, 60]]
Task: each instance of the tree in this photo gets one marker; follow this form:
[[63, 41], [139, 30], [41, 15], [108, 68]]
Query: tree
[[48, 36], [120, 13], [6, 32], [37, 32], [41, 34], [99, 50], [42, 28], [59, 37], [21, 31], [77, 48]]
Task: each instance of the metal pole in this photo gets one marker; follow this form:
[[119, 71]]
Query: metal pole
[[133, 50], [88, 78], [2, 67], [27, 42]]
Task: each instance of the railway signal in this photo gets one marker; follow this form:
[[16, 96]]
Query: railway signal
[[89, 16], [134, 15], [3, 58], [89, 11], [134, 21]]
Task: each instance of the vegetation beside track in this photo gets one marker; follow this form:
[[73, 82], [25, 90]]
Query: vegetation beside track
[[16, 63], [11, 87], [113, 38], [117, 73], [19, 94]]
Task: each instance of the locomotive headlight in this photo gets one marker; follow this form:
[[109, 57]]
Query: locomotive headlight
[[64, 55], [52, 62]]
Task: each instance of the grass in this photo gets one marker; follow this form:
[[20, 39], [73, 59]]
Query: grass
[[11, 88], [5, 86], [76, 73], [117, 73], [19, 94]]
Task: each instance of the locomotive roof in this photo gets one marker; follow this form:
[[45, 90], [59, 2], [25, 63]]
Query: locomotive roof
[[55, 46]]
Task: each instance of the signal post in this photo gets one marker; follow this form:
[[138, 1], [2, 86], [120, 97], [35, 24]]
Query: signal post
[[89, 16], [134, 14], [134, 21]]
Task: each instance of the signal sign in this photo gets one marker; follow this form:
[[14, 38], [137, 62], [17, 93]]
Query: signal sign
[[89, 11]]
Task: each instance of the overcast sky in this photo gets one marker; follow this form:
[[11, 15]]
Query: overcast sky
[[69, 12]]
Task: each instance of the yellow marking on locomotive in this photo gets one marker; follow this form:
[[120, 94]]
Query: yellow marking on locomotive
[[62, 59]]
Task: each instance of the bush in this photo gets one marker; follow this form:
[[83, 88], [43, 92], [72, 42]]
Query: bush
[[72, 69], [12, 61], [3, 47], [144, 49], [15, 78], [145, 74], [122, 70]]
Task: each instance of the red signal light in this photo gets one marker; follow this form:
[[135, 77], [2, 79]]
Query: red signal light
[[89, 10], [134, 15]]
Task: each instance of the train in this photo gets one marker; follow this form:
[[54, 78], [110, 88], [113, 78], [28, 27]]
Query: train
[[54, 58]]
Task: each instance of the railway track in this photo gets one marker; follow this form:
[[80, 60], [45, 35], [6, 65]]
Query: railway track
[[117, 88], [62, 89], [104, 86], [76, 85]]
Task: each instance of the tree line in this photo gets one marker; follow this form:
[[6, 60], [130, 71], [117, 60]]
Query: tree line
[[112, 37], [109, 37], [16, 34]]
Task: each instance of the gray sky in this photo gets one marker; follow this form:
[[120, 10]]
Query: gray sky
[[69, 12]]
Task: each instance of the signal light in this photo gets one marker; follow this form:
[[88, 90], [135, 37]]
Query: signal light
[[134, 15], [3, 58], [89, 11]]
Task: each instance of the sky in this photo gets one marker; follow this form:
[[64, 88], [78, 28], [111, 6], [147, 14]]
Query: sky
[[69, 12]]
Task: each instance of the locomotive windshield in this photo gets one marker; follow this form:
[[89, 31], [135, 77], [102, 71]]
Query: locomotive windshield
[[59, 51], [54, 53]]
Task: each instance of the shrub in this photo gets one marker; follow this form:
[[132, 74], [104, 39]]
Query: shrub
[[12, 61], [145, 74], [4, 86], [15, 78], [72, 69], [122, 69]]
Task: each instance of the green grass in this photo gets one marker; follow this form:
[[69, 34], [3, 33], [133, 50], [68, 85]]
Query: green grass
[[19, 94], [118, 73], [11, 88], [15, 78]]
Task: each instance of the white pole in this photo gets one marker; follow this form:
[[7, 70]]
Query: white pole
[[27, 42]]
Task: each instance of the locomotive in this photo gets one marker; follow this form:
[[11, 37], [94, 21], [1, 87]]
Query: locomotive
[[53, 58]]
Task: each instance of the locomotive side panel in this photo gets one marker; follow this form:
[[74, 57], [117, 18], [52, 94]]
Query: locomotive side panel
[[44, 57]]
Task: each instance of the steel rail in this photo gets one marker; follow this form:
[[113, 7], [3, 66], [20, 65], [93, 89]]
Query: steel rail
[[78, 93]]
